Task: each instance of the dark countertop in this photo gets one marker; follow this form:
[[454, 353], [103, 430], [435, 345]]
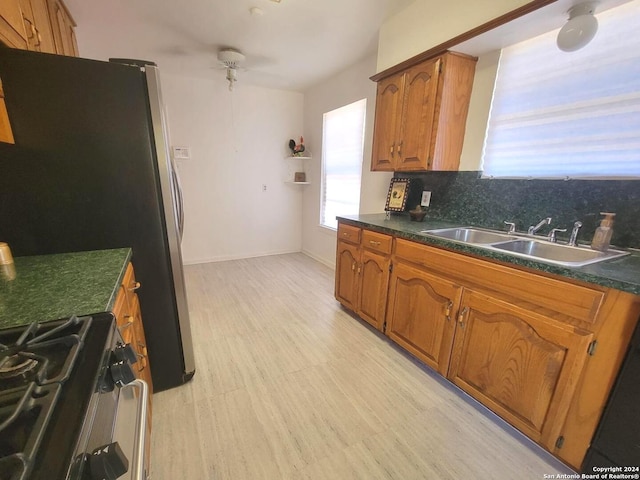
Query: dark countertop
[[620, 274], [50, 287]]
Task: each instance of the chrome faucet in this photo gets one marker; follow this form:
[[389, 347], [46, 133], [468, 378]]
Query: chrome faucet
[[573, 239], [532, 230]]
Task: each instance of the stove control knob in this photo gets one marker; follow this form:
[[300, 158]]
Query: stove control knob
[[125, 353], [122, 373], [108, 462]]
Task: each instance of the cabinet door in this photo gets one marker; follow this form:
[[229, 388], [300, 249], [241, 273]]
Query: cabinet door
[[417, 128], [12, 32], [520, 364], [374, 281], [38, 25], [63, 29], [420, 314], [387, 123], [347, 262]]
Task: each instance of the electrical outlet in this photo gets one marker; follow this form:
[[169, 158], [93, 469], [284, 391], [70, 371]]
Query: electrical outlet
[[264, 187], [426, 199]]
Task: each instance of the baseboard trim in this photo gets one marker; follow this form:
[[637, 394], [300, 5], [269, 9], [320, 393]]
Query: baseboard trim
[[225, 258]]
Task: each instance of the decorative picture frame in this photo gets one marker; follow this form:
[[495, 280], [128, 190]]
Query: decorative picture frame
[[398, 194]]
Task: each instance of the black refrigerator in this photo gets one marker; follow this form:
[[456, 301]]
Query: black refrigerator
[[91, 169]]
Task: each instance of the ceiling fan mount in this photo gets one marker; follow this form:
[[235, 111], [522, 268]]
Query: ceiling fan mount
[[231, 60]]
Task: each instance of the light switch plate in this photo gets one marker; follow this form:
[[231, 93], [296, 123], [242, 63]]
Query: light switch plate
[[426, 199]]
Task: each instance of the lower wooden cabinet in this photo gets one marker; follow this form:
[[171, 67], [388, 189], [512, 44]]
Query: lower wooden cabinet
[[522, 365], [362, 272], [129, 321], [421, 314], [539, 351]]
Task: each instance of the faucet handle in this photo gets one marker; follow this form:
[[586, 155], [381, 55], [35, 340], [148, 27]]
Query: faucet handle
[[552, 234], [512, 227]]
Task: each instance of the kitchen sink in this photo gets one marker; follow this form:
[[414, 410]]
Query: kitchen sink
[[556, 254], [525, 246], [470, 235]]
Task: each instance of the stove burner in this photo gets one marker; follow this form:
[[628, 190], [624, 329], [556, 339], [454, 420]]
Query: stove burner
[[16, 365]]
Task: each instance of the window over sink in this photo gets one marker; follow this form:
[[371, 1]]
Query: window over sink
[[569, 115]]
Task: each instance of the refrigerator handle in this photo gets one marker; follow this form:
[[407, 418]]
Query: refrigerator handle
[[179, 200]]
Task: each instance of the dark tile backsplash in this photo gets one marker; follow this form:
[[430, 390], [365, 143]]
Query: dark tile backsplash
[[466, 198]]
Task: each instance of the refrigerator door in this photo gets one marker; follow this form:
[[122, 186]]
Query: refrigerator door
[[172, 202], [83, 175]]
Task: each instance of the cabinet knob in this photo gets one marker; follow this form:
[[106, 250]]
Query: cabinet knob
[[134, 286], [447, 312], [462, 315]]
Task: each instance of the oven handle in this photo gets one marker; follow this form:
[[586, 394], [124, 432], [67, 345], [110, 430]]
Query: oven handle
[[141, 430]]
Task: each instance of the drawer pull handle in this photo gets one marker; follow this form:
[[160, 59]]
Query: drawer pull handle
[[126, 325], [377, 244]]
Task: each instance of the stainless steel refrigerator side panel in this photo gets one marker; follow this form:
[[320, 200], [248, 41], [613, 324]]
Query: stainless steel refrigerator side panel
[[169, 205]]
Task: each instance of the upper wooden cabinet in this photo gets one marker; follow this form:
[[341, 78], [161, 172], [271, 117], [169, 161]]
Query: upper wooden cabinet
[[63, 28], [12, 31], [38, 25], [421, 115]]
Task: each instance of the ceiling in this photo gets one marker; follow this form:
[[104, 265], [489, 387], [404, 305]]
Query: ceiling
[[292, 45]]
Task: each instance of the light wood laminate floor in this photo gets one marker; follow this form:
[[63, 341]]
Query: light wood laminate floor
[[289, 385]]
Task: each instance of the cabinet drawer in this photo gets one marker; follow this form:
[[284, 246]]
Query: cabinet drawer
[[348, 233], [378, 242]]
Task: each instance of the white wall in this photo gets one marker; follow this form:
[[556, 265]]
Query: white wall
[[238, 143], [479, 106], [349, 86], [427, 23]]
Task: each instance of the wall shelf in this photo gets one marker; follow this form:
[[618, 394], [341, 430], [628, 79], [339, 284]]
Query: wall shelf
[[296, 167]]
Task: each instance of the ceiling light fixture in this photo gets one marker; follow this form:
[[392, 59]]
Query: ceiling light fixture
[[579, 29], [231, 59]]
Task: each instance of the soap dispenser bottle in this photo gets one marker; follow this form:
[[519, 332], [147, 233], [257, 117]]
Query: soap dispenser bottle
[[602, 237]]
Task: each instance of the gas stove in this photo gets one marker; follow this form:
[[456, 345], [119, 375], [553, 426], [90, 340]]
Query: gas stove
[[63, 385]]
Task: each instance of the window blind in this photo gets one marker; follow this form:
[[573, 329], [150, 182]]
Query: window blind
[[556, 114], [342, 153]]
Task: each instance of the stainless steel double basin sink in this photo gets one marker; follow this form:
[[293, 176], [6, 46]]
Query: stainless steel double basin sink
[[525, 246]]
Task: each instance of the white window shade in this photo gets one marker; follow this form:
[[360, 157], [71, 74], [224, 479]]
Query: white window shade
[[556, 114], [342, 153]]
